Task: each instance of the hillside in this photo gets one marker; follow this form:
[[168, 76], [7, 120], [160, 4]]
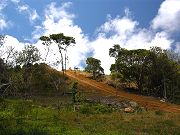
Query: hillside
[[148, 102]]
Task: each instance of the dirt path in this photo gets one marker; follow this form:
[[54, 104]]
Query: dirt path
[[148, 102]]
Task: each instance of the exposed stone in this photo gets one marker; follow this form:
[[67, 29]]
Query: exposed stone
[[125, 105], [129, 110], [133, 104]]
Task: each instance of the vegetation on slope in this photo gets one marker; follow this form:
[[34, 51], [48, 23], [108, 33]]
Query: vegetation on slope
[[40, 116]]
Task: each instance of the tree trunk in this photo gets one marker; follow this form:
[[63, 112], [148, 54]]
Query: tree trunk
[[62, 61], [65, 62], [94, 75]]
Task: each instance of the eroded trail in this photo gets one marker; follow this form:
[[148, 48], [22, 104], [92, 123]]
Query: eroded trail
[[148, 102]]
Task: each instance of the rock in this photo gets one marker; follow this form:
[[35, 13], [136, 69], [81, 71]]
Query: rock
[[125, 105], [129, 110], [119, 105], [163, 100], [133, 104]]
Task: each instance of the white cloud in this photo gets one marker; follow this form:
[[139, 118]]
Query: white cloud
[[168, 17], [32, 13], [121, 26], [58, 20], [125, 32], [3, 4], [10, 43], [119, 30], [3, 24], [15, 1], [177, 49], [23, 8]]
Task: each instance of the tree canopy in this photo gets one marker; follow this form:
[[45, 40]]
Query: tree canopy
[[29, 55], [63, 42], [94, 66], [152, 71]]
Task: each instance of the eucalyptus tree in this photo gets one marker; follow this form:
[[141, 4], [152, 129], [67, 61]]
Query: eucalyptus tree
[[47, 42], [62, 41]]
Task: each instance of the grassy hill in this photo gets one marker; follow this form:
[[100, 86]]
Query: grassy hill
[[49, 115], [44, 105]]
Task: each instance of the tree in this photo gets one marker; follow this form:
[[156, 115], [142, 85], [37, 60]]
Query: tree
[[131, 64], [164, 73], [4, 79], [63, 42], [47, 42], [3, 71], [94, 66], [29, 55], [153, 71], [2, 40], [27, 58]]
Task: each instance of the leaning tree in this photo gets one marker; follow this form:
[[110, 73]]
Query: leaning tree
[[62, 41]]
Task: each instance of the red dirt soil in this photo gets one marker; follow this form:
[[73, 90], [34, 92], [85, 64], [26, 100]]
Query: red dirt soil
[[148, 102]]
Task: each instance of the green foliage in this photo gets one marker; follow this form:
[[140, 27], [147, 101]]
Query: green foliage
[[74, 89], [37, 79], [94, 109], [92, 119], [94, 66], [62, 40], [3, 72], [152, 71], [29, 55]]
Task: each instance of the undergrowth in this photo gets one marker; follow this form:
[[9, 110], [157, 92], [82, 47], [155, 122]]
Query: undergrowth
[[20, 117]]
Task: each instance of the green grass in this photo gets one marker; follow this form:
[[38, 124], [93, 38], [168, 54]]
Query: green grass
[[57, 116]]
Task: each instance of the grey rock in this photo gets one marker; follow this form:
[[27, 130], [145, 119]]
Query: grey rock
[[133, 104]]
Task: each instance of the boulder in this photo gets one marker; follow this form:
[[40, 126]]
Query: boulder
[[133, 104], [129, 110], [125, 104]]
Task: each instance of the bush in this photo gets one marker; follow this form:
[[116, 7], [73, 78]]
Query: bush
[[99, 108], [94, 109]]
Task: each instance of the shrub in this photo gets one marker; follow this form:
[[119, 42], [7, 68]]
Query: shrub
[[99, 108]]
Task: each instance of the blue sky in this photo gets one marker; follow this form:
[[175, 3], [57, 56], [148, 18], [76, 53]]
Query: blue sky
[[95, 24], [90, 14]]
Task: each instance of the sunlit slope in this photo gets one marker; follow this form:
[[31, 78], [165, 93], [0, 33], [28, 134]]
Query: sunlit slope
[[148, 102]]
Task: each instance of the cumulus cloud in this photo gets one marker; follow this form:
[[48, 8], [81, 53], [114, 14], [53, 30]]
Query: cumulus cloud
[[59, 20], [120, 26], [122, 30], [126, 32], [11, 44], [168, 17]]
